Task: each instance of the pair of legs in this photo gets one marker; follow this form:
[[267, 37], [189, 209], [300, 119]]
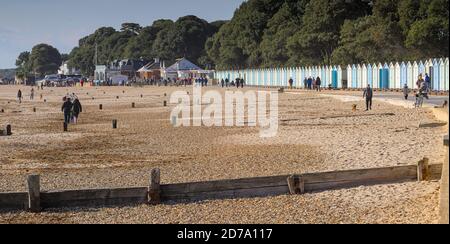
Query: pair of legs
[[67, 118], [368, 104]]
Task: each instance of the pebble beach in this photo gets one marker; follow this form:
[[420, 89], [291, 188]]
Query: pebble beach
[[316, 134]]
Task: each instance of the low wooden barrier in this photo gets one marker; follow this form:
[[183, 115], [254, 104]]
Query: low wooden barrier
[[35, 200]]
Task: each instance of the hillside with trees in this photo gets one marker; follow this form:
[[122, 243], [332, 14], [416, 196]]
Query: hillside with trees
[[268, 33], [265, 33], [164, 39]]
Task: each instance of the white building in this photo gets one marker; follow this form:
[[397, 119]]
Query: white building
[[64, 69]]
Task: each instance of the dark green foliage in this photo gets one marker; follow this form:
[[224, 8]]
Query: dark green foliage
[[267, 33]]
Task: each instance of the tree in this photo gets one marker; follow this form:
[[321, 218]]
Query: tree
[[45, 59], [23, 65], [320, 31], [285, 23], [131, 27]]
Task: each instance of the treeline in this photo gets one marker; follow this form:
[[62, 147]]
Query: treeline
[[267, 33], [164, 39]]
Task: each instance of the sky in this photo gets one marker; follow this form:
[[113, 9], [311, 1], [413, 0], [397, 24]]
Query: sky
[[61, 23]]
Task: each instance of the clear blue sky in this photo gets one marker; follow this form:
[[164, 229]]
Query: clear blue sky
[[61, 23]]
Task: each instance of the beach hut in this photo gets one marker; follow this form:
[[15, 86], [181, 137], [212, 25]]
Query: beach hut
[[435, 78], [391, 71], [364, 76], [370, 75], [184, 69], [151, 70], [375, 76], [397, 78]]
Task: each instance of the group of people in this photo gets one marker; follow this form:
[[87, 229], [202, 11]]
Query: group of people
[[71, 108], [20, 95], [201, 81], [237, 83], [311, 83]]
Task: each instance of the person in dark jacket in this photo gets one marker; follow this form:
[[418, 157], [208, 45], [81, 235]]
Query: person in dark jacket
[[222, 83], [77, 109], [291, 83], [237, 82], [318, 83], [67, 109], [242, 83], [368, 94], [19, 96]]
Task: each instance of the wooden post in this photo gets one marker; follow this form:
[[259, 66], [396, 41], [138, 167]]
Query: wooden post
[[100, 106], [34, 193], [133, 105], [34, 110], [8, 130], [296, 184], [165, 103], [154, 190], [2, 111], [423, 170], [142, 96], [65, 126], [446, 140], [45, 100], [114, 124]]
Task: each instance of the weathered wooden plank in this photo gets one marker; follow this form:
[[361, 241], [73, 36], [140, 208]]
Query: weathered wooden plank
[[223, 185], [101, 196], [397, 172], [296, 184], [227, 194], [154, 189], [34, 193], [13, 201]]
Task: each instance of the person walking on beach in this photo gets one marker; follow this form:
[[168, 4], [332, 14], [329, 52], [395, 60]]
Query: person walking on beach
[[67, 109], [237, 82], [227, 82], [318, 83], [32, 94], [76, 109], [419, 81], [222, 83], [305, 83], [406, 91], [368, 94], [242, 83], [291, 83], [428, 80], [19, 96]]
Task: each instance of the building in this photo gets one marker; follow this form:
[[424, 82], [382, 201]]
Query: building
[[183, 69], [152, 70], [64, 69], [117, 70]]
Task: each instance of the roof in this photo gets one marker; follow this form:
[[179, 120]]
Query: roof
[[150, 66], [183, 64]]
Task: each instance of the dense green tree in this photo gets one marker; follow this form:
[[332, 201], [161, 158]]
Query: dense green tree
[[285, 23], [45, 60], [320, 31], [266, 33], [23, 65], [131, 27]]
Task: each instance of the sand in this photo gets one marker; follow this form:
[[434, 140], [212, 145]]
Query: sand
[[91, 154]]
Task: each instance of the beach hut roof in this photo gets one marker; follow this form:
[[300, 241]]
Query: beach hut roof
[[155, 65], [183, 65]]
